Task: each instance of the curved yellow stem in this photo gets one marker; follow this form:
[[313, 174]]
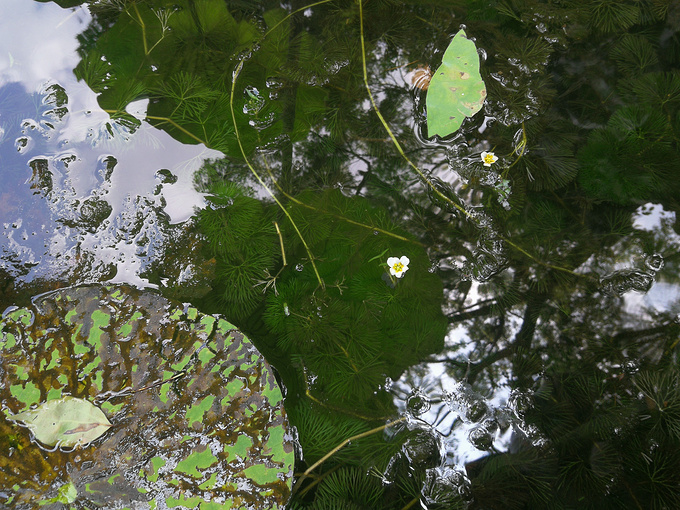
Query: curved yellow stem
[[341, 446], [237, 71], [304, 8], [387, 127]]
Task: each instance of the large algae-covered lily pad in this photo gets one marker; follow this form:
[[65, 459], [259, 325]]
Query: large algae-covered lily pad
[[196, 416]]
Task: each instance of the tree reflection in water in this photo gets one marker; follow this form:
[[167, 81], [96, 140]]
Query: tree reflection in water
[[555, 387]]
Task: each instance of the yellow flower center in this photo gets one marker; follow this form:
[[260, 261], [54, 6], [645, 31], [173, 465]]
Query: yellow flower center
[[488, 158], [398, 267]]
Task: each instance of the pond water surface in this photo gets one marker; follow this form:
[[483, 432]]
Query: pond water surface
[[270, 162]]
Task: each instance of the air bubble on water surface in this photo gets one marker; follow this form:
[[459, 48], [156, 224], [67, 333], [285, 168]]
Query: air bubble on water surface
[[466, 403], [620, 282], [417, 403], [654, 262]]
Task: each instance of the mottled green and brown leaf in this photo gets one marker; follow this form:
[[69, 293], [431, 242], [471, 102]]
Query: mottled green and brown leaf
[[456, 90]]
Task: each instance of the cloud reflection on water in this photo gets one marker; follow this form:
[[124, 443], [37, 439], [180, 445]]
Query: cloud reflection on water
[[42, 231]]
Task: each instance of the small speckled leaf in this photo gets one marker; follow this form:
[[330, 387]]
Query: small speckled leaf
[[456, 90], [66, 421]]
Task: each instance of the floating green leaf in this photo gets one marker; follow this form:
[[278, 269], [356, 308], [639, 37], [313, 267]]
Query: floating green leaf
[[67, 421], [456, 90]]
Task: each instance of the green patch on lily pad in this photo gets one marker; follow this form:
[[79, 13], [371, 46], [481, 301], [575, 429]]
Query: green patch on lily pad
[[113, 397]]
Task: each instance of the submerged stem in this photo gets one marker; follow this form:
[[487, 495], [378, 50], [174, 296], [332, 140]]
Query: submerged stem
[[303, 8], [343, 218], [259, 179], [387, 127], [143, 26], [341, 446]]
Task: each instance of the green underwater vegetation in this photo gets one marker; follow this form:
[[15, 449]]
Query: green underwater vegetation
[[516, 229]]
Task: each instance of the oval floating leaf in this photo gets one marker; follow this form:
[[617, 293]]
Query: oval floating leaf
[[67, 421], [456, 90]]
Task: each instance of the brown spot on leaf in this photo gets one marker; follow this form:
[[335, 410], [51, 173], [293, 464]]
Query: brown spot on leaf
[[85, 427]]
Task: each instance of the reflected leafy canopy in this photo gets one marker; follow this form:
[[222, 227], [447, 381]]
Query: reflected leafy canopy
[[525, 231]]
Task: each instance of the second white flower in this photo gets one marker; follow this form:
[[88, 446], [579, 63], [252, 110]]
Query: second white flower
[[398, 266]]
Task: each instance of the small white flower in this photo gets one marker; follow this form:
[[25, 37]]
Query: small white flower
[[398, 266], [489, 158]]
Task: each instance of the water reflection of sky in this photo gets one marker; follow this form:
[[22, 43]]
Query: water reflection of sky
[[655, 292], [44, 231]]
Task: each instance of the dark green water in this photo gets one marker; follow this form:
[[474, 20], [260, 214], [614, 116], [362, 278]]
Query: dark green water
[[229, 155]]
